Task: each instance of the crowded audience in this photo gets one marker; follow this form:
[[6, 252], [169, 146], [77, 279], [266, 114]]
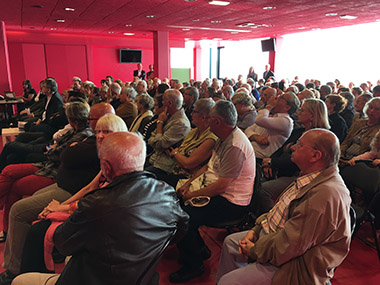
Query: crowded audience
[[163, 158]]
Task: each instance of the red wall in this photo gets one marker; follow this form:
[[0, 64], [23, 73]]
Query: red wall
[[35, 55]]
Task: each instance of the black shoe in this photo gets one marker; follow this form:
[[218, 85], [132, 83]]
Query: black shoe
[[186, 274], [7, 276], [3, 236], [205, 254]]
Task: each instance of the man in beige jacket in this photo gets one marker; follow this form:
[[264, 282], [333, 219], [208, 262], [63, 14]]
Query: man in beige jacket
[[306, 235]]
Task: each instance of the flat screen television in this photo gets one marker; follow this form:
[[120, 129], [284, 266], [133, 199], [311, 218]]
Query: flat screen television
[[130, 55], [268, 45]]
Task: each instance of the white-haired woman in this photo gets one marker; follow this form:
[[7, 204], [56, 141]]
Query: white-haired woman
[[145, 104]]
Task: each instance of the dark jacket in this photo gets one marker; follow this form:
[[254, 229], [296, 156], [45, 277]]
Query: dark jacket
[[338, 126], [142, 75], [118, 230]]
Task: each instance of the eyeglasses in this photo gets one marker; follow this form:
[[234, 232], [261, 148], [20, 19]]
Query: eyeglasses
[[199, 201], [299, 144]]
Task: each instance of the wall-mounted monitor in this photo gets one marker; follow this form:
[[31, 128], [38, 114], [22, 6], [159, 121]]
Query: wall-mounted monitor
[[268, 45], [130, 55]]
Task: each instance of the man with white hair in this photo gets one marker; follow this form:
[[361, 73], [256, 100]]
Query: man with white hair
[[128, 109], [172, 127], [141, 87], [114, 92], [306, 235], [118, 231]]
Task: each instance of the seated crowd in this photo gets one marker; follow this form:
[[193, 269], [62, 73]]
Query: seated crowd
[[111, 175]]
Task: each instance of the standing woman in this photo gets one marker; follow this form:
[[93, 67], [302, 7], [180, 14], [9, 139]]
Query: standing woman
[[252, 74]]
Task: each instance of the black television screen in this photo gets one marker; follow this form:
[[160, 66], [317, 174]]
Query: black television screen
[[268, 45], [130, 55]]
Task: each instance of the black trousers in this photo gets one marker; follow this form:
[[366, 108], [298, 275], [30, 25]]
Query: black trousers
[[218, 210], [33, 253]]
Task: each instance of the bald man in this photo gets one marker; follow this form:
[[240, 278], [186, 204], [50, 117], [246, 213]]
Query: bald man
[[79, 166], [118, 231], [306, 234]]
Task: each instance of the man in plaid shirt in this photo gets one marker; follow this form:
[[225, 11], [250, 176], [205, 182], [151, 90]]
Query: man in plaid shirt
[[306, 234]]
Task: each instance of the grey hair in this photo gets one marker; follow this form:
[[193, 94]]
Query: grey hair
[[227, 111], [121, 157], [78, 112], [242, 98], [193, 91], [111, 122], [146, 100], [115, 88], [204, 105], [143, 82], [131, 92], [104, 88], [174, 96]]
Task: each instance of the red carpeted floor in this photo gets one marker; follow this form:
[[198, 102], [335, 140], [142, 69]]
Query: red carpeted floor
[[361, 266]]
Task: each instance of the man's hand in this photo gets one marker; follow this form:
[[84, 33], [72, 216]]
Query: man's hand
[[261, 140], [245, 247], [164, 115], [250, 236], [267, 172]]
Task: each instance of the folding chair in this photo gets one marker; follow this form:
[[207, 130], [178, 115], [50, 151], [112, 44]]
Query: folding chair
[[363, 181]]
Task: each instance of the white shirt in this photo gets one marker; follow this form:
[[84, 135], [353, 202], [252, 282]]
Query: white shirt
[[276, 129]]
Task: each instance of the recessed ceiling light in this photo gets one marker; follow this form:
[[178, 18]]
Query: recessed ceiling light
[[70, 9], [195, 20], [217, 39], [234, 33], [128, 25], [61, 21], [38, 6], [111, 32], [348, 17], [187, 39], [185, 29], [128, 34], [150, 16], [53, 29], [301, 28], [216, 22], [269, 8], [219, 3], [331, 14]]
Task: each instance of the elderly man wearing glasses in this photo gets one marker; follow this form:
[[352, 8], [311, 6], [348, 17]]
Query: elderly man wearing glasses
[[306, 234]]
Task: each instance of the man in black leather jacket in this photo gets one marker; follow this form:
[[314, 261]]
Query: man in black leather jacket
[[119, 230]]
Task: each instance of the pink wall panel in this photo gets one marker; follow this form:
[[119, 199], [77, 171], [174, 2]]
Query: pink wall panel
[[106, 62], [5, 72], [64, 62], [16, 60], [35, 64]]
